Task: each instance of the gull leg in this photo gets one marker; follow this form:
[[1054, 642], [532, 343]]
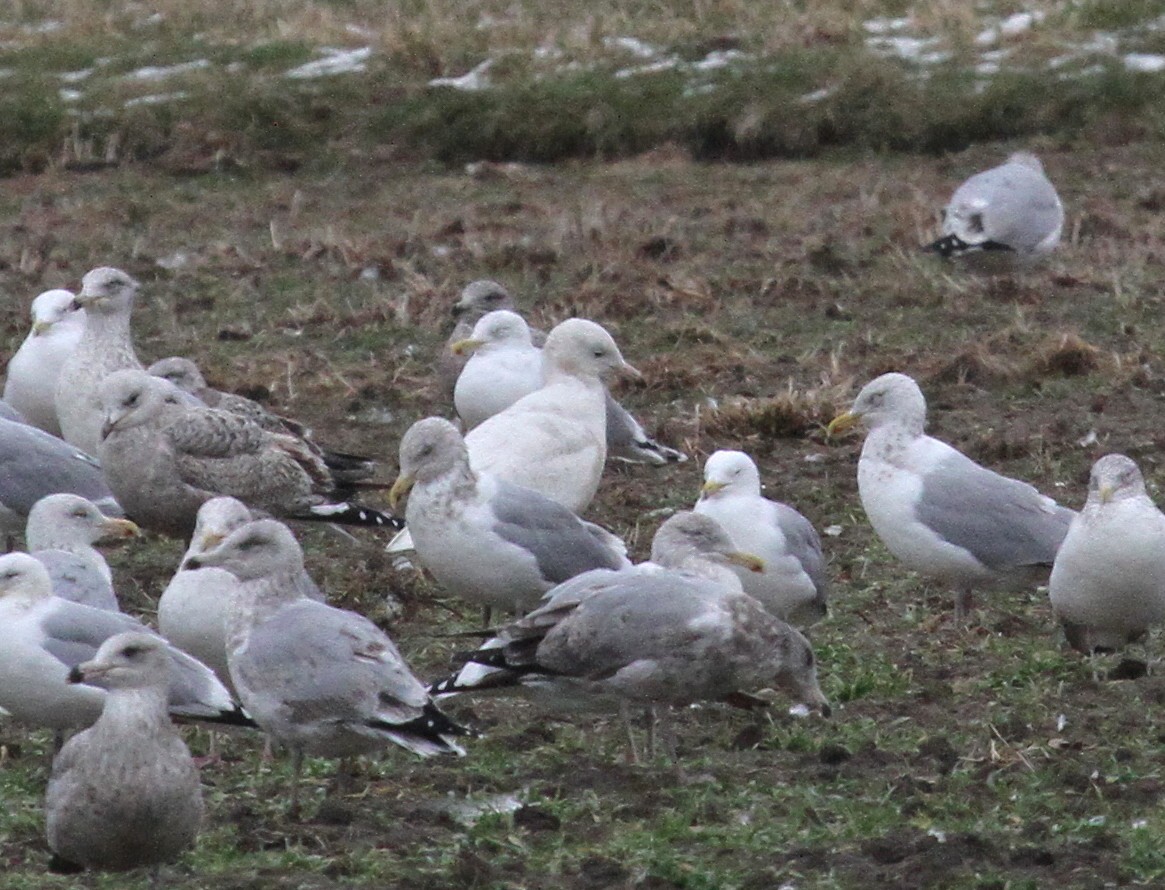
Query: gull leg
[[964, 600], [625, 716], [296, 772]]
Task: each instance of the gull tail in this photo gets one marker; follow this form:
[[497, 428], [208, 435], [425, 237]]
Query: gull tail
[[431, 733], [350, 514]]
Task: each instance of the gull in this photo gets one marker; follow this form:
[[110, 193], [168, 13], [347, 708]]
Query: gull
[[320, 680], [793, 585], [484, 539], [61, 532], [34, 464], [1108, 583], [1011, 210], [554, 439], [106, 345], [164, 460], [31, 384], [938, 511], [193, 608], [345, 468], [46, 636], [626, 438], [504, 366], [676, 631], [125, 792]]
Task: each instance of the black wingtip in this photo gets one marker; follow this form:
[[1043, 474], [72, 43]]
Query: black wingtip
[[952, 246], [352, 514], [235, 717]]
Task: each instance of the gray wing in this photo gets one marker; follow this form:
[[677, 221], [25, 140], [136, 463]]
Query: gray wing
[[326, 664], [34, 463], [556, 537], [1003, 522], [77, 579], [626, 439], [209, 433], [805, 544], [1012, 205], [74, 633]]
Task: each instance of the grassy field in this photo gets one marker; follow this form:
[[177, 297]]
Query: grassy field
[[308, 255]]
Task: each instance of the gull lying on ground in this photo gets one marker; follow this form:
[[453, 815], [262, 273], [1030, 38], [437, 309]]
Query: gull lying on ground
[[34, 464], [484, 539], [504, 366], [1011, 210], [626, 438], [45, 637], [320, 680], [677, 631], [125, 792], [937, 510], [164, 460], [106, 345], [61, 532], [1108, 584], [31, 384], [793, 585]]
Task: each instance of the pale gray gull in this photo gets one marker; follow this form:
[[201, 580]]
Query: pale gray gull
[[1108, 584], [938, 511], [674, 632], [31, 384], [61, 532], [164, 460], [486, 540], [106, 345], [626, 438], [504, 366], [46, 636], [124, 793], [320, 680], [1011, 211], [793, 585], [554, 439], [34, 464]]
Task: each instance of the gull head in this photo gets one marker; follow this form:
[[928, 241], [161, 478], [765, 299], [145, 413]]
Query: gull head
[[259, 549], [23, 578], [730, 471], [482, 296], [182, 372], [581, 348], [891, 398], [688, 539], [51, 308], [130, 660], [495, 328], [430, 449], [1114, 477], [106, 289]]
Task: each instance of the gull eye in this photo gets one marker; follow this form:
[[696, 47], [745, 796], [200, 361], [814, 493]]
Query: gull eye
[[133, 651], [80, 513]]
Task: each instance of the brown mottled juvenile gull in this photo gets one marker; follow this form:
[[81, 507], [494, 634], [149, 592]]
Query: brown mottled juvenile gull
[[31, 384], [45, 637], [1108, 584], [484, 539], [323, 681], [1011, 211], [193, 608], [61, 532], [676, 631], [793, 585], [937, 510], [106, 345], [554, 439], [34, 464], [164, 460], [125, 792], [346, 469], [626, 438]]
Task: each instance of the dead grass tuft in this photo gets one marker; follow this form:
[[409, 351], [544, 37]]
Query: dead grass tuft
[[1065, 355], [793, 413]]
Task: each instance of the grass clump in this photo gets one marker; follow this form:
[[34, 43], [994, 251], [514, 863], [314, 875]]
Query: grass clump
[[34, 123]]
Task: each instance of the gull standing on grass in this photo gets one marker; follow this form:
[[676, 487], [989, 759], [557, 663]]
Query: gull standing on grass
[[937, 510], [164, 460], [673, 632], [125, 792], [1108, 584], [484, 539], [106, 345], [1011, 211], [31, 384], [554, 439], [44, 637], [626, 438], [793, 585], [61, 532], [320, 680]]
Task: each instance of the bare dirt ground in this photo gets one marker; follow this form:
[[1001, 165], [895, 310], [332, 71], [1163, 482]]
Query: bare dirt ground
[[755, 300]]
